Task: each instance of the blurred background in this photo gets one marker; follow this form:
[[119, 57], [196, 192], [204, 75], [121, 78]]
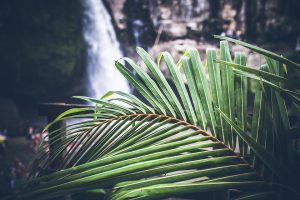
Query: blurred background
[[51, 50]]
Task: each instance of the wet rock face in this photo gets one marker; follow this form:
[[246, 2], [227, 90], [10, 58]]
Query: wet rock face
[[178, 18], [194, 19], [132, 21], [274, 19], [174, 25], [268, 20]]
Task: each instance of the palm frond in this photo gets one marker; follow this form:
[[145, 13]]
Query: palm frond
[[187, 140]]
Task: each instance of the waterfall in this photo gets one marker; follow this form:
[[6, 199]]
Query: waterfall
[[103, 49], [137, 28]]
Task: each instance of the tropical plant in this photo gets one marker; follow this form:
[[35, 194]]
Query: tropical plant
[[196, 136]]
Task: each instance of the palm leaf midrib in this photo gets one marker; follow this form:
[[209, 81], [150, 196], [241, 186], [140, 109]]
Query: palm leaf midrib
[[184, 123]]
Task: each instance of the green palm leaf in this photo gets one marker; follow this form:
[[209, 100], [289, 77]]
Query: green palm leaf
[[193, 139]]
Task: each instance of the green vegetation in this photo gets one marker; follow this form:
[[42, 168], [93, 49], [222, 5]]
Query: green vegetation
[[41, 41], [196, 139]]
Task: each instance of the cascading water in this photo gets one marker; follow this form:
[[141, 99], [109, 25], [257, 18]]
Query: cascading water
[[103, 49], [137, 28]]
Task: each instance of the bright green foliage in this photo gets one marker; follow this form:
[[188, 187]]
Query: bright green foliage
[[192, 139]]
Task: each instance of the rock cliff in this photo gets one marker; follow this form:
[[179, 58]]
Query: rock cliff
[[145, 23]]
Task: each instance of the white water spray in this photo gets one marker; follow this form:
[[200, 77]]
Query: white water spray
[[103, 49]]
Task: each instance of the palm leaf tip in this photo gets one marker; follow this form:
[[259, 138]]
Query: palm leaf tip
[[261, 51]]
